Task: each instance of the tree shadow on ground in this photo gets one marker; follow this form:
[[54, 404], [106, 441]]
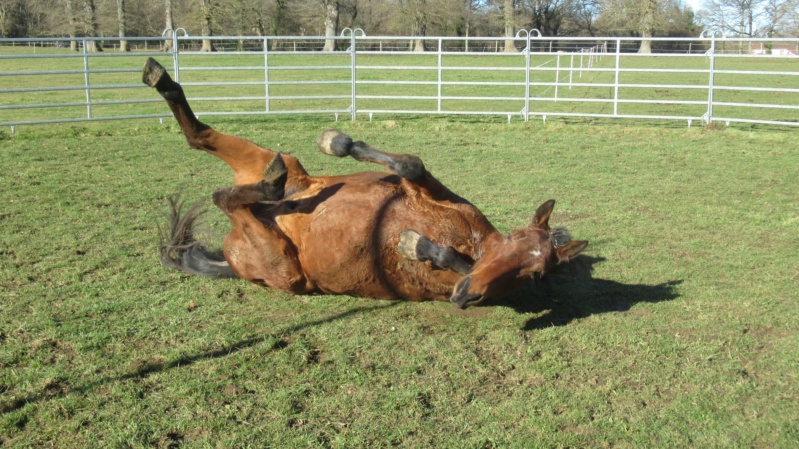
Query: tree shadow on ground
[[571, 292]]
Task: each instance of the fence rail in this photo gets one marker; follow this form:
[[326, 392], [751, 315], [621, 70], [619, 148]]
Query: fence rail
[[708, 79]]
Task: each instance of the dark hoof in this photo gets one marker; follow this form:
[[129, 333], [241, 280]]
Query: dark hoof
[[152, 72], [334, 143], [275, 176]]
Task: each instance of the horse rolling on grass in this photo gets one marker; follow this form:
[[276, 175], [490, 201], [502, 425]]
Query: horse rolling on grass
[[396, 235]]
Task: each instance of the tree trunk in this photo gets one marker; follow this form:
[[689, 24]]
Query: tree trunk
[[71, 20], [419, 25], [510, 43], [207, 31], [647, 26], [122, 21], [168, 24], [277, 21], [3, 19], [331, 24], [90, 26], [466, 42]]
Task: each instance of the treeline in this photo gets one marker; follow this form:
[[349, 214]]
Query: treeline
[[477, 18]]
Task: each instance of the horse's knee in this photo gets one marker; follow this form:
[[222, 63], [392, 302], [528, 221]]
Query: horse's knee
[[221, 198], [414, 246], [231, 198]]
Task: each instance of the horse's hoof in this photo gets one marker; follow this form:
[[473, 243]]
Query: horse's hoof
[[152, 72], [276, 169], [409, 241], [334, 143], [275, 176]]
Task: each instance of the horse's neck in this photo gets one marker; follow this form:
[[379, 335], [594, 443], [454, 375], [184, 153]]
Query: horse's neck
[[491, 239]]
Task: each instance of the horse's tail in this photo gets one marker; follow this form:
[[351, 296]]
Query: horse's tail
[[181, 250]]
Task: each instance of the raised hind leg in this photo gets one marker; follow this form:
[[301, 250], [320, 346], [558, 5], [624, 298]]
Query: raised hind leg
[[414, 246], [247, 159]]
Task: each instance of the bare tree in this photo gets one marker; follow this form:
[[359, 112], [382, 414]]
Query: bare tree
[[731, 16], [331, 24], [207, 20], [90, 25], [643, 18], [6, 17], [169, 24], [72, 24], [546, 15], [649, 9], [792, 18], [583, 16], [122, 22], [509, 16]]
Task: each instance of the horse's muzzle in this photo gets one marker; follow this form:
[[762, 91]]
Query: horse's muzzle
[[461, 296]]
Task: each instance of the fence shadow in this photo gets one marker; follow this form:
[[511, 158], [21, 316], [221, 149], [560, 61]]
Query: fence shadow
[[572, 292]]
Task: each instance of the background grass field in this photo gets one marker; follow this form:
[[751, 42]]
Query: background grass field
[[677, 328]]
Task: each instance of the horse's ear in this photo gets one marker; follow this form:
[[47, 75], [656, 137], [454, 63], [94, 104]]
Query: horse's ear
[[541, 217], [571, 250]]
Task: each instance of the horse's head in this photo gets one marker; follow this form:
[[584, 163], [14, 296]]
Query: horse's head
[[525, 254]]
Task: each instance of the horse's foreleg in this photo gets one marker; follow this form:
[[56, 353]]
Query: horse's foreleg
[[335, 143], [411, 168], [414, 246]]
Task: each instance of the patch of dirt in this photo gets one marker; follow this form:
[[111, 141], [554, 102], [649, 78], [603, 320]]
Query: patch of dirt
[[144, 366]]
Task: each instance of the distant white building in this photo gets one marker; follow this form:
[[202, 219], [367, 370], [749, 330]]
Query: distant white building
[[779, 49]]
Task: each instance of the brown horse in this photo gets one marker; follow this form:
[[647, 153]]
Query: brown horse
[[372, 234]]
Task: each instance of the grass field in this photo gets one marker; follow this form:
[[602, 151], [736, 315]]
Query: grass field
[[677, 328], [401, 81]]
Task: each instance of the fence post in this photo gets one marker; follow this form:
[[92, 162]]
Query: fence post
[[711, 79], [616, 80], [439, 73], [352, 62], [87, 83], [557, 75], [571, 70], [526, 110], [266, 73], [175, 57], [527, 80]]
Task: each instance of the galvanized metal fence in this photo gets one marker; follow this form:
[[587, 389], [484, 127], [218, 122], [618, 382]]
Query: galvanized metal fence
[[706, 79]]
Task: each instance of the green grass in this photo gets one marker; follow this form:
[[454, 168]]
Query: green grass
[[678, 327], [575, 85]]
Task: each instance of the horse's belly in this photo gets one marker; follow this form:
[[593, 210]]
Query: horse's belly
[[348, 245]]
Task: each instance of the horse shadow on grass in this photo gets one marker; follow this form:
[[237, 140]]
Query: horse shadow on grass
[[571, 292]]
